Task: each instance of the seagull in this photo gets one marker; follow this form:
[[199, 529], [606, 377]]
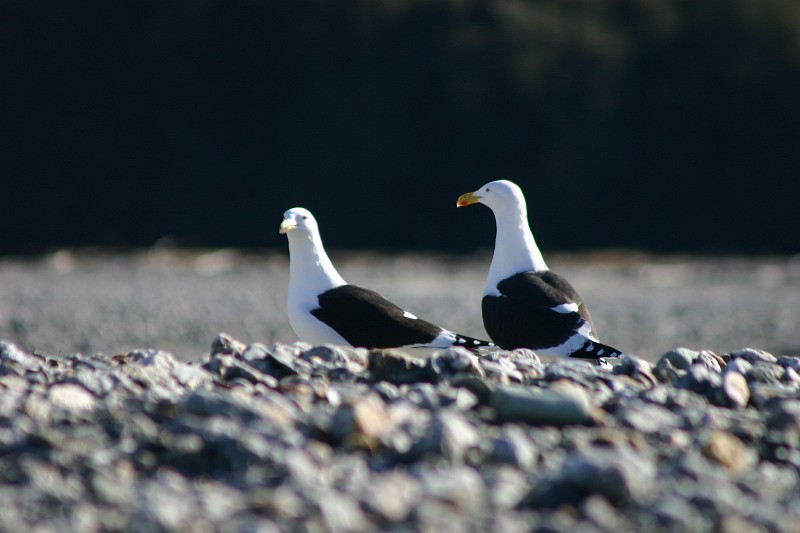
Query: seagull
[[525, 304], [324, 308]]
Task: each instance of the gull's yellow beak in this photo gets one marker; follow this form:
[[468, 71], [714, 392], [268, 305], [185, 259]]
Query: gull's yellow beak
[[287, 225], [468, 198]]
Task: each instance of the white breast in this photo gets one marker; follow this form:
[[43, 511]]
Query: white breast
[[308, 328]]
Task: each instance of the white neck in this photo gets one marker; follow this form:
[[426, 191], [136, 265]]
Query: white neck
[[515, 249], [310, 270]]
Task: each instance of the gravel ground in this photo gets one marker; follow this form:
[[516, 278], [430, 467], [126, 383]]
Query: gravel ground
[[177, 300], [256, 435], [325, 439]]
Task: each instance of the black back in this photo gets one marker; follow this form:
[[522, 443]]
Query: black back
[[365, 318], [522, 316]]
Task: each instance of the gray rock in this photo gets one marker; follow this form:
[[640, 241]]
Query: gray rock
[[785, 414], [792, 377], [327, 354], [71, 398], [459, 486], [518, 404], [751, 355], [636, 368], [739, 364], [700, 379], [226, 344], [502, 371], [604, 515], [393, 496], [98, 383], [763, 394], [361, 421], [257, 356], [678, 358], [477, 386], [458, 397], [12, 357], [728, 451], [455, 360], [230, 368], [386, 390], [676, 514], [157, 358], [456, 434], [341, 512], [711, 360], [620, 475], [764, 372], [399, 367], [649, 418], [734, 391], [424, 395], [575, 370], [788, 361], [508, 486], [513, 447], [191, 376], [282, 360]]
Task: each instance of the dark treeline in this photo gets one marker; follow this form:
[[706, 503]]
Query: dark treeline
[[659, 124]]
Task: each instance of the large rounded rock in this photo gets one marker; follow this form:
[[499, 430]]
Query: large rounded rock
[[532, 406]]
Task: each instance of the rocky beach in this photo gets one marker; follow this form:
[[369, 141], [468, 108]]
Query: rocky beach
[[293, 437], [256, 432]]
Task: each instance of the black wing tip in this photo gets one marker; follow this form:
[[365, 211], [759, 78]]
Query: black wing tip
[[596, 350], [471, 342]]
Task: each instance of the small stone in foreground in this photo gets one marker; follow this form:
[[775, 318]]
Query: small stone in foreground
[[734, 391], [519, 404], [398, 367], [618, 474], [729, 451], [72, 398], [751, 355]]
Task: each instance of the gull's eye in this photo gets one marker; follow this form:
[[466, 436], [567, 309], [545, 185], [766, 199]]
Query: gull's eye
[[487, 189], [305, 217]]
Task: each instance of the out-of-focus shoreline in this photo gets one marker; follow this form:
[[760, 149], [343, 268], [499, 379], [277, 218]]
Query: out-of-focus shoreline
[[95, 300]]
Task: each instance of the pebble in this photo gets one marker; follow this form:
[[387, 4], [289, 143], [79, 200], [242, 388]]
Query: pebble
[[71, 398], [295, 437], [636, 368], [649, 418], [619, 474], [512, 446], [700, 379], [519, 404], [735, 391], [679, 358], [399, 367], [751, 355], [729, 451], [393, 496]]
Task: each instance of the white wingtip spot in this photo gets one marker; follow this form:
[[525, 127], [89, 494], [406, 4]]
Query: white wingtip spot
[[412, 316], [565, 308], [590, 348], [476, 342], [600, 351]]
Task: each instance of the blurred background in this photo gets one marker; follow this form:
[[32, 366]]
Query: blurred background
[[667, 125], [162, 127]]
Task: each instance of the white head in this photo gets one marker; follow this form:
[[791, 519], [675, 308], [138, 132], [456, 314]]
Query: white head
[[515, 249], [310, 269], [500, 195], [300, 220]]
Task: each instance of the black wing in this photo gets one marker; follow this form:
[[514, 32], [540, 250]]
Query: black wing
[[365, 318], [522, 315]]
